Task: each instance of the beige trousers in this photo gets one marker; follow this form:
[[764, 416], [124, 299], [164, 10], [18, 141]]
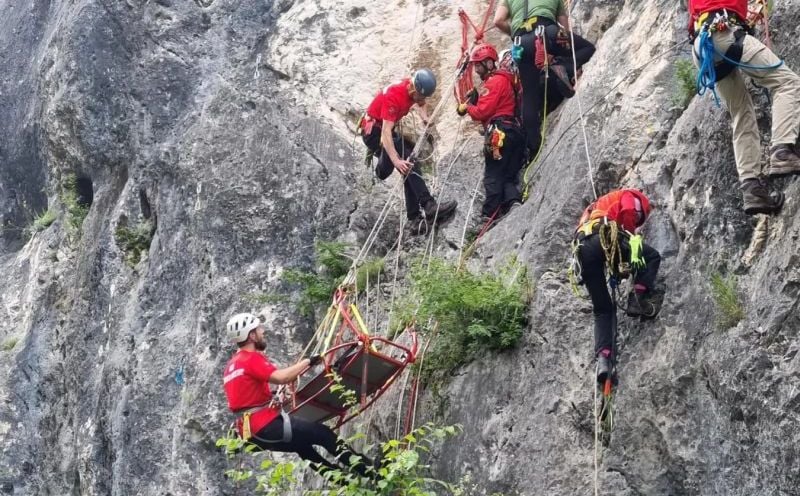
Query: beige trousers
[[784, 85]]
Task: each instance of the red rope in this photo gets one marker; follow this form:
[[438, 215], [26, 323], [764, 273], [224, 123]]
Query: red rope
[[465, 83]]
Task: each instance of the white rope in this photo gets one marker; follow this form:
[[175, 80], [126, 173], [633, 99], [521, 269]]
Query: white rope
[[469, 214], [578, 96]]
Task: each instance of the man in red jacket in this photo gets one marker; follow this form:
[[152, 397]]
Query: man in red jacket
[[246, 380], [726, 22], [495, 105], [628, 208], [394, 152]]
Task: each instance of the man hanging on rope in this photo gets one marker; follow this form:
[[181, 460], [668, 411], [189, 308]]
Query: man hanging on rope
[[719, 27], [605, 238], [377, 131], [495, 105], [246, 380], [541, 43]]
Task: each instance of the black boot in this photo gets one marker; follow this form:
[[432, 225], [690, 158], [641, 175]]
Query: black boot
[[439, 211], [418, 225], [642, 305], [603, 369], [760, 198]]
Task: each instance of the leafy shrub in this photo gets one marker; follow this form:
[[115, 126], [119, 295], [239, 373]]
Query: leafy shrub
[[685, 82], [134, 241], [334, 263], [726, 300], [404, 469], [42, 222], [474, 312]]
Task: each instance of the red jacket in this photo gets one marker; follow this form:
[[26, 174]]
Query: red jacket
[[621, 207], [246, 383], [391, 104], [697, 7], [497, 98]]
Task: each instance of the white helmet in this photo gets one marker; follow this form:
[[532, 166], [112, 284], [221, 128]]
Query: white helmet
[[240, 325]]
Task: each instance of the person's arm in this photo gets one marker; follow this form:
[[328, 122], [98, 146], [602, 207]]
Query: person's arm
[[388, 147], [502, 17], [563, 16], [289, 374], [487, 101]]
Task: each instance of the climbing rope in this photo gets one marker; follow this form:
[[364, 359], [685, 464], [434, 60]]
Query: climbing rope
[[602, 99], [580, 105]]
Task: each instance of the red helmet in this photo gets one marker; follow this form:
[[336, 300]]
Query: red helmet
[[482, 52]]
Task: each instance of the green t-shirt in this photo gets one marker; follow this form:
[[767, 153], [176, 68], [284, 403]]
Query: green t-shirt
[[543, 8]]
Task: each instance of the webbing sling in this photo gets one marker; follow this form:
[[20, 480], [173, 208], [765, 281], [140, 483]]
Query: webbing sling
[[287, 431], [247, 434]]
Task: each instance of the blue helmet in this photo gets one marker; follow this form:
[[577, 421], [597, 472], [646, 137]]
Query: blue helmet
[[424, 82]]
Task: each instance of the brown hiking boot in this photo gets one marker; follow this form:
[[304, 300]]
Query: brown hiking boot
[[760, 198], [440, 211], [783, 161], [562, 81]]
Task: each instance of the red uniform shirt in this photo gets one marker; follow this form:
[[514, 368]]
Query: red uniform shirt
[[246, 383], [496, 99], [391, 104], [627, 207], [697, 7]]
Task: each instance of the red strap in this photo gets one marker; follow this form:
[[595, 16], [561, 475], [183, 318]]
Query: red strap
[[465, 84]]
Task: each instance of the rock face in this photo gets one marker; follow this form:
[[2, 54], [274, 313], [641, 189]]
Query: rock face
[[227, 127]]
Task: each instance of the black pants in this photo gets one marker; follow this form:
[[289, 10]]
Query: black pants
[[414, 187], [306, 435], [531, 78], [501, 177], [592, 259]]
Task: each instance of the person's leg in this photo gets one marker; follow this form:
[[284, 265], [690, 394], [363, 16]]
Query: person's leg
[[592, 260], [414, 187], [514, 156], [785, 87], [531, 94], [315, 434], [757, 194], [493, 185]]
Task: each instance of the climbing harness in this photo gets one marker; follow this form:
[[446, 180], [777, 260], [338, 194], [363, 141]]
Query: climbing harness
[[711, 71]]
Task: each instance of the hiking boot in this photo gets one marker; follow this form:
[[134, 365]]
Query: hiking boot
[[760, 198], [783, 161], [514, 205], [418, 225], [603, 369], [562, 80], [642, 305], [440, 211]]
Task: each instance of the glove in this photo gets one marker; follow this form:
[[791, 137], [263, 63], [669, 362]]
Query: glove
[[472, 97], [314, 360], [461, 109]]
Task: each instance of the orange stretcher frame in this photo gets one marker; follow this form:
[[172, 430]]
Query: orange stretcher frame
[[366, 365]]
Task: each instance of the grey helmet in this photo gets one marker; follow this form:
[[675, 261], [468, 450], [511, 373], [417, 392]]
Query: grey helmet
[[424, 82]]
